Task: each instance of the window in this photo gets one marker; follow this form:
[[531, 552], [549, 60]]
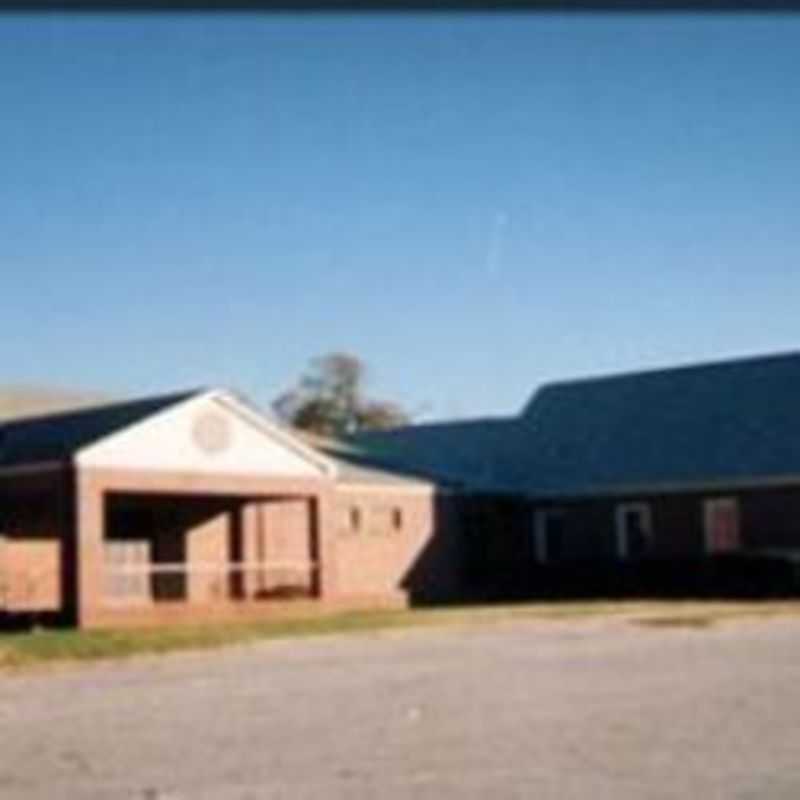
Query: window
[[397, 518], [355, 518], [721, 525], [548, 534], [634, 530]]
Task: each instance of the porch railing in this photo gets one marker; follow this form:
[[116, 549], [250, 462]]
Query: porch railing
[[210, 581]]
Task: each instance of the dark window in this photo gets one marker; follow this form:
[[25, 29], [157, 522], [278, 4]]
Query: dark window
[[634, 530], [355, 518], [397, 518], [554, 536], [550, 535]]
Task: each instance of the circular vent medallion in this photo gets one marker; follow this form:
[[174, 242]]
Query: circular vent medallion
[[211, 433]]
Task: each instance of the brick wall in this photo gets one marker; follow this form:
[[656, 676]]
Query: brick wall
[[590, 525], [397, 543], [769, 519], [277, 533], [207, 543], [31, 543]]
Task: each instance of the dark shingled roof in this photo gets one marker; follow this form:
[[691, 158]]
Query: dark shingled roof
[[730, 422], [352, 466], [733, 421], [711, 424], [462, 453], [58, 436]]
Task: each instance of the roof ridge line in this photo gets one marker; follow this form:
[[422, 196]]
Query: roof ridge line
[[669, 370]]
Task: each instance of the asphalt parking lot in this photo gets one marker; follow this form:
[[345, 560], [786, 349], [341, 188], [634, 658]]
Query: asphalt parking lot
[[570, 709]]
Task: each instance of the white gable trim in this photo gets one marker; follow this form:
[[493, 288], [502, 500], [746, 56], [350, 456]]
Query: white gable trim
[[257, 420]]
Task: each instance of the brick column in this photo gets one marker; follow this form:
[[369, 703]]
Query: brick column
[[89, 535], [323, 528], [67, 524]]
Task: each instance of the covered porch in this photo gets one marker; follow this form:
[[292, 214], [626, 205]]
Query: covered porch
[[156, 548], [200, 549]]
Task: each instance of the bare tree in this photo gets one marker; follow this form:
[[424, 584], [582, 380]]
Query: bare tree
[[329, 399]]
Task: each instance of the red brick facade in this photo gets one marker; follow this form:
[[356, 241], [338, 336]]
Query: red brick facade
[[397, 542], [117, 548], [34, 540], [768, 518], [101, 547]]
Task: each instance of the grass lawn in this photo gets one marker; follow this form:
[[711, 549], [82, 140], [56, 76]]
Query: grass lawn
[[45, 647]]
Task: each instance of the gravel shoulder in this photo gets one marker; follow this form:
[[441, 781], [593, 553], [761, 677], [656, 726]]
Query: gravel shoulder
[[590, 708]]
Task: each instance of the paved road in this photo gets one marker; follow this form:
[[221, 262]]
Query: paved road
[[561, 710]]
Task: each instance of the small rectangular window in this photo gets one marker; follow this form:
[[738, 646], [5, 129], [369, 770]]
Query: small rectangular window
[[397, 518], [355, 518], [634, 530], [549, 535], [722, 526]]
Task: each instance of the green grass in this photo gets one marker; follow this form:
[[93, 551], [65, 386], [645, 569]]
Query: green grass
[[45, 646], [52, 647]]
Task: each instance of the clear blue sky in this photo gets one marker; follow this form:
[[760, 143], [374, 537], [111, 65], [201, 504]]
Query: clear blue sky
[[473, 204]]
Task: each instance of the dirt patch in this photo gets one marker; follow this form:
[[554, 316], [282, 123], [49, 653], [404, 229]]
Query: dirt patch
[[676, 622]]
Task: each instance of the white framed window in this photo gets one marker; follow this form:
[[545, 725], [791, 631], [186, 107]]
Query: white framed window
[[634, 530], [721, 525], [548, 534]]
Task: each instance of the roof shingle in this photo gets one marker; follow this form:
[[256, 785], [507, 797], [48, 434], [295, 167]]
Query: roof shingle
[[730, 421], [59, 436]]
